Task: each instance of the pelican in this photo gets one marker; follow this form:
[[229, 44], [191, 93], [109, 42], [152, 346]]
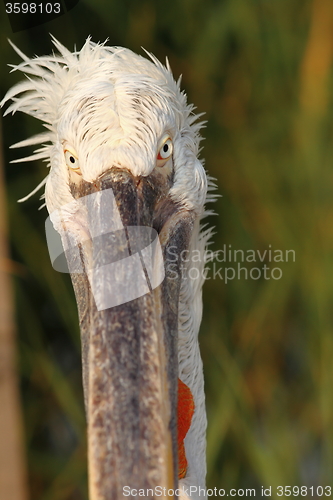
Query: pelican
[[118, 122]]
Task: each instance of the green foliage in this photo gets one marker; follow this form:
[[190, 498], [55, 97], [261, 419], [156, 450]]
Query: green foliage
[[262, 71]]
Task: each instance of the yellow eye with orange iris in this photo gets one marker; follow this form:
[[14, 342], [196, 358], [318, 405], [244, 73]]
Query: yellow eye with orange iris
[[72, 161], [165, 150]]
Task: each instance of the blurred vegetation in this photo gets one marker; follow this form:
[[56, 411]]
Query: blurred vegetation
[[262, 72]]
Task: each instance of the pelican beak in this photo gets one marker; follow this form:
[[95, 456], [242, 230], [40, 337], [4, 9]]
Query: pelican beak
[[129, 350]]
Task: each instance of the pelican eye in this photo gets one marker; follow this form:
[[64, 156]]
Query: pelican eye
[[165, 150], [72, 161]]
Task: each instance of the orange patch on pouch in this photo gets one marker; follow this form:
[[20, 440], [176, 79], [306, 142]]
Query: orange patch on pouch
[[185, 414]]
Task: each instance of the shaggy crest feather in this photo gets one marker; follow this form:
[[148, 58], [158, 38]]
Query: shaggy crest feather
[[108, 102], [61, 75]]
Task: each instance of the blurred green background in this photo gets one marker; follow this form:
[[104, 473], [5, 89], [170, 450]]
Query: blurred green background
[[262, 72]]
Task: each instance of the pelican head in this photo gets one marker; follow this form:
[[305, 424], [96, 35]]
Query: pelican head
[[118, 124]]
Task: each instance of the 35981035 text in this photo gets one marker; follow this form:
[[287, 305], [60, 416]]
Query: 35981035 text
[[304, 491], [33, 8]]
